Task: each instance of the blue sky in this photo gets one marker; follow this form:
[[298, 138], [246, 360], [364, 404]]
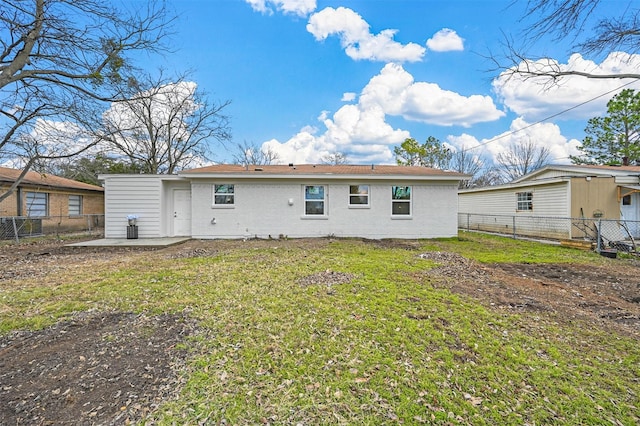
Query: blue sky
[[309, 78]]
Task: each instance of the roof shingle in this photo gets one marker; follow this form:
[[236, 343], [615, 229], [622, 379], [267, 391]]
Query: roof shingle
[[8, 175], [323, 169]]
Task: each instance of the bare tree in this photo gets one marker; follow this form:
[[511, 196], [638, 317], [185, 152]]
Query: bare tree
[[335, 159], [58, 58], [250, 154], [463, 161], [571, 20], [521, 158], [488, 176], [165, 125]]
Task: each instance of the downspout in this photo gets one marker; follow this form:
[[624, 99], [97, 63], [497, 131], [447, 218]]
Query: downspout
[[19, 201]]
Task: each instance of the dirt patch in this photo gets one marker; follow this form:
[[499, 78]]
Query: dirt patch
[[327, 278], [111, 368], [604, 296], [98, 368]]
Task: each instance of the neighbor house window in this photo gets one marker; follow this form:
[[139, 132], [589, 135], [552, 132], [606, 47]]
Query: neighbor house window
[[359, 195], [524, 201], [75, 205], [37, 204], [400, 200], [223, 195], [626, 200], [315, 200]]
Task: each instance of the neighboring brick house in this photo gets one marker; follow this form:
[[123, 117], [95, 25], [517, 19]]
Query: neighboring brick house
[[50, 202]]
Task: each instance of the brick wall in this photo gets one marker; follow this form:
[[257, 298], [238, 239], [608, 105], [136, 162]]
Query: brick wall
[[58, 219], [9, 205]]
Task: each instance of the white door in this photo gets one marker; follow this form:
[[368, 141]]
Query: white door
[[181, 212], [629, 207], [629, 212]]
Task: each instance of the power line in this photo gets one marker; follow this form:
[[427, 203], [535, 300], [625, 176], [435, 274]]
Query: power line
[[549, 117]]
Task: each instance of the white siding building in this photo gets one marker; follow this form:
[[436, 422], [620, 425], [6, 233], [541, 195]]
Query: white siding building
[[231, 201], [584, 193]]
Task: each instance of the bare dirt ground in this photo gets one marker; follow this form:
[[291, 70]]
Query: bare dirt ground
[[103, 368]]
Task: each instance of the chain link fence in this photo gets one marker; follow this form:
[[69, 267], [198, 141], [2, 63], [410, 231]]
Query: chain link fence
[[601, 234], [20, 227]]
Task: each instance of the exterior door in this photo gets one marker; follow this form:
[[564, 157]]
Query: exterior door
[[629, 207], [181, 212], [629, 212]]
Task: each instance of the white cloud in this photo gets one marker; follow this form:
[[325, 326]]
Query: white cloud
[[536, 98], [362, 135], [296, 7], [395, 90], [348, 97], [361, 131], [445, 40], [52, 139], [357, 40], [542, 134]]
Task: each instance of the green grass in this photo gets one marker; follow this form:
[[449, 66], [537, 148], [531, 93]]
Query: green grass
[[488, 248], [386, 348]]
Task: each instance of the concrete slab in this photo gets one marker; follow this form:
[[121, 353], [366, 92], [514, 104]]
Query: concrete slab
[[137, 242]]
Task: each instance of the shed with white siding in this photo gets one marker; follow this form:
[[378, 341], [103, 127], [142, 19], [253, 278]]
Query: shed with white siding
[[273, 201], [560, 191]]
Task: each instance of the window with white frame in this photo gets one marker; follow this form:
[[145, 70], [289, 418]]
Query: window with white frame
[[75, 205], [37, 204], [359, 195], [315, 200], [223, 195], [524, 201], [400, 200]]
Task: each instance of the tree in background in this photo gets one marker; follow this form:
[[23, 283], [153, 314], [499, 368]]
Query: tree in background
[[87, 169], [163, 125], [587, 22], [59, 59], [250, 154], [488, 176], [463, 161], [432, 153], [335, 159], [614, 138], [520, 159]]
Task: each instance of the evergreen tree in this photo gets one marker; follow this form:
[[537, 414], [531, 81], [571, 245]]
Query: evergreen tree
[[614, 138]]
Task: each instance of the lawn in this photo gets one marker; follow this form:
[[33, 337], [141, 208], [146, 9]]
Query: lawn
[[351, 332]]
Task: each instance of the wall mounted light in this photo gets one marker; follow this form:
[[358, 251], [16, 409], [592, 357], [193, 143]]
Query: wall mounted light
[[213, 221], [290, 201]]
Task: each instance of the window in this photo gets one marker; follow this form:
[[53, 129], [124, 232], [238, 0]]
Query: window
[[314, 200], [400, 200], [359, 195], [223, 195], [626, 200], [37, 204], [75, 205], [524, 201]]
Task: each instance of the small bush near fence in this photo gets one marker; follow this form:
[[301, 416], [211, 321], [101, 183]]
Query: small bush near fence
[[604, 233], [18, 227]]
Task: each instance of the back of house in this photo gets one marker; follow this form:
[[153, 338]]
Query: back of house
[[274, 201]]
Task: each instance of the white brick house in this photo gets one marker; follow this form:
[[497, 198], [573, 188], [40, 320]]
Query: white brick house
[[232, 201]]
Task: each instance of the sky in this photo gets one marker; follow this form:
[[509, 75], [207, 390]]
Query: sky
[[309, 78]]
